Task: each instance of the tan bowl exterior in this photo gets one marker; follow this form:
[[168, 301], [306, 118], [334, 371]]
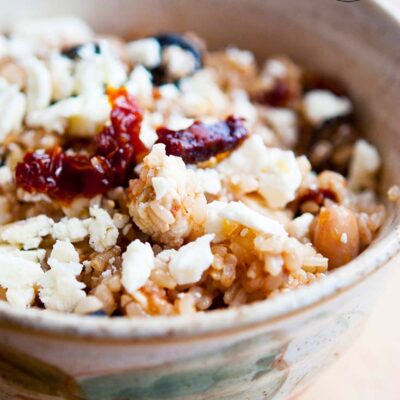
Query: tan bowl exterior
[[262, 351]]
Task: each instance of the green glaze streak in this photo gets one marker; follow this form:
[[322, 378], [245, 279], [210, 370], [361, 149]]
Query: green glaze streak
[[232, 373]]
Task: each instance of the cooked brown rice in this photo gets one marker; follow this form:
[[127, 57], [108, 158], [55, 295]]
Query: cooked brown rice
[[292, 202]]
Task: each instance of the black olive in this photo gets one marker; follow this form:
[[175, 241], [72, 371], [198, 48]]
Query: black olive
[[335, 134], [173, 39], [73, 52]]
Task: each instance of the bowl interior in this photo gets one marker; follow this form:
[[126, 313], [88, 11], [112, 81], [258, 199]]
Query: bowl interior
[[356, 42]]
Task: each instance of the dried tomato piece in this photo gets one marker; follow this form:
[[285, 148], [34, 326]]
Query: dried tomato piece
[[318, 196], [63, 176], [201, 141], [281, 94]]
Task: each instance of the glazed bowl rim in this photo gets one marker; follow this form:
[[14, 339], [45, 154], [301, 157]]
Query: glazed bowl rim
[[271, 311]]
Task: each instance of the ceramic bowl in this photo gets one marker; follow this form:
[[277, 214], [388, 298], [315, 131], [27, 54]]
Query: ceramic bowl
[[267, 350]]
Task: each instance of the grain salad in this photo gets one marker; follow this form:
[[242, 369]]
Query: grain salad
[[155, 177]]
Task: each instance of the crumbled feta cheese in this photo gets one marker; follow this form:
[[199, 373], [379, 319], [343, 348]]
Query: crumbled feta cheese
[[277, 171], [178, 122], [12, 108], [30, 255], [364, 166], [114, 72], [148, 134], [103, 233], [89, 79], [144, 51], [191, 260], [137, 263], [5, 175], [242, 106], [60, 290], [53, 31], [38, 91], [209, 180], [62, 80], [140, 85], [202, 96], [64, 251], [274, 68], [235, 211], [243, 59], [284, 122], [179, 62], [321, 105], [300, 226], [169, 91], [81, 116], [27, 233], [175, 176], [19, 276], [72, 229]]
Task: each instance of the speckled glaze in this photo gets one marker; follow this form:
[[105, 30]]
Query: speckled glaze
[[268, 350]]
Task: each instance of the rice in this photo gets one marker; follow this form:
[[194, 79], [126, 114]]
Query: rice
[[241, 225]]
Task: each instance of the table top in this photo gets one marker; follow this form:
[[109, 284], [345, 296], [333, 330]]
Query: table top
[[370, 368]]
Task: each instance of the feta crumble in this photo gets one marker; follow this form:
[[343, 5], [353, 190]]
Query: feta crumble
[[191, 260], [27, 233], [72, 229], [300, 226], [144, 51], [139, 84], [38, 91], [284, 122], [209, 180], [179, 62], [276, 171], [321, 105], [19, 276], [364, 166], [103, 233], [12, 109], [60, 290], [235, 211], [137, 263]]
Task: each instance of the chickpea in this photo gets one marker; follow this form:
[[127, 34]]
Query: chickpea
[[336, 235]]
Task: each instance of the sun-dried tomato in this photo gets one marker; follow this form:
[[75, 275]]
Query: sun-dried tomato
[[279, 95], [318, 196], [64, 175], [200, 141]]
